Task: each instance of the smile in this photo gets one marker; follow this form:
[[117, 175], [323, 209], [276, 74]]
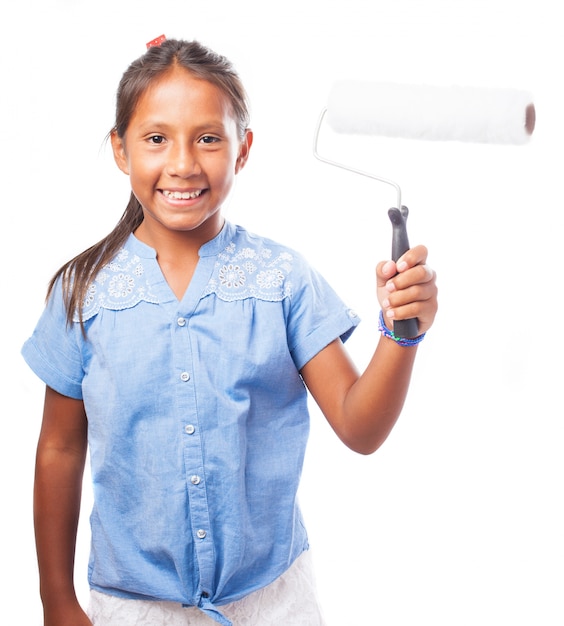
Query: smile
[[182, 195]]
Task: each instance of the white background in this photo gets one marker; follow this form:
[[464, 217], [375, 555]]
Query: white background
[[457, 519]]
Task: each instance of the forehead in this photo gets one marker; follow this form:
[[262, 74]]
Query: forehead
[[179, 93]]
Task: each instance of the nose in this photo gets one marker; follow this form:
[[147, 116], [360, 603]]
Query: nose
[[183, 161]]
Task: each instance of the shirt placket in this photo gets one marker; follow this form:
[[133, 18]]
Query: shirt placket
[[195, 477]]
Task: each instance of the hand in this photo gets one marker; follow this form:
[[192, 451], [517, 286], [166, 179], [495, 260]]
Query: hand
[[408, 288]]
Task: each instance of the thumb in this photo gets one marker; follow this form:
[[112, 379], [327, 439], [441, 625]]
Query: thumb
[[384, 271]]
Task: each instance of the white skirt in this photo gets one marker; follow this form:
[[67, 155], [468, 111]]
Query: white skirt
[[290, 599]]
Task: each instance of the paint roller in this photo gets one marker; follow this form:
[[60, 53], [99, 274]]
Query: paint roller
[[432, 113]]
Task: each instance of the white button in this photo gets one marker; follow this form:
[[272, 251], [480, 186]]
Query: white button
[[195, 480], [189, 429], [185, 376], [181, 321], [201, 534]]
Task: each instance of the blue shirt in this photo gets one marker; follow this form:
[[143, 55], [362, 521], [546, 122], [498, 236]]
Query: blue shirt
[[197, 414]]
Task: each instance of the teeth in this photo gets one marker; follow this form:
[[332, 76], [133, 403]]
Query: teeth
[[182, 195]]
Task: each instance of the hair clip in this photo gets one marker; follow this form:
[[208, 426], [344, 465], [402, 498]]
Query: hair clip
[[156, 42]]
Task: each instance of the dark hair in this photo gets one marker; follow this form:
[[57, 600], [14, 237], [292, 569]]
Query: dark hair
[[78, 273]]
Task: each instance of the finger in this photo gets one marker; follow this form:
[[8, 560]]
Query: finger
[[418, 301], [423, 307], [420, 292], [384, 271], [414, 256], [420, 274]]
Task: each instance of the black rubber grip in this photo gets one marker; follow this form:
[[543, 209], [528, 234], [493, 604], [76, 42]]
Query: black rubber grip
[[406, 329]]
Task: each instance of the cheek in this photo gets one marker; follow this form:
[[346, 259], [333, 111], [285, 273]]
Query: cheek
[[145, 168], [223, 169]]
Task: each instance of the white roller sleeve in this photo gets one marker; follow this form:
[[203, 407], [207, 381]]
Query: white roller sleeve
[[469, 114]]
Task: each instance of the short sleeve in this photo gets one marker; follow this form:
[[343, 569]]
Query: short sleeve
[[317, 315], [52, 352]]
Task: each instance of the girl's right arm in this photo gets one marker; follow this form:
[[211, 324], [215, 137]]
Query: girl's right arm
[[61, 454]]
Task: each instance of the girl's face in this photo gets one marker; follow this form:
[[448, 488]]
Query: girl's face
[[182, 151]]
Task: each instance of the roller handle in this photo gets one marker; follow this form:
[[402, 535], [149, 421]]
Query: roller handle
[[400, 244]]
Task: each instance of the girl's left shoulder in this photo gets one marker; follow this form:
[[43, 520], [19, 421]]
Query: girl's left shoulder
[[254, 266]]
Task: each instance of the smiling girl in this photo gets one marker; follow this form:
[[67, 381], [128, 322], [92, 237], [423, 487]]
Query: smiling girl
[[180, 351]]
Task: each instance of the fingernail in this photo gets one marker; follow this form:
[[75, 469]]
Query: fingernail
[[402, 265], [388, 267]]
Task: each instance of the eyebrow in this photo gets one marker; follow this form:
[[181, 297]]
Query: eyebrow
[[216, 124]]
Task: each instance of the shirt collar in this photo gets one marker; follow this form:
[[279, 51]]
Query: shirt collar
[[210, 248]]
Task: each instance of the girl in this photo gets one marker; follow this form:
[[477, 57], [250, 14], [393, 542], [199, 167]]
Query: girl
[[181, 348]]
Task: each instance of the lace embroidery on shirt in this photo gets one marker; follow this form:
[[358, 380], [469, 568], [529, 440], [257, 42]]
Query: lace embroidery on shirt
[[249, 273], [121, 284]]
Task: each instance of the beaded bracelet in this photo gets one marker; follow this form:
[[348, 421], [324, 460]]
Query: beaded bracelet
[[401, 341]]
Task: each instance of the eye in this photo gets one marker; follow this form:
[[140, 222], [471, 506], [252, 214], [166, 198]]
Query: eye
[[156, 139], [209, 139]]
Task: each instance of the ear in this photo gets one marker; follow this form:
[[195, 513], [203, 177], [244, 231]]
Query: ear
[[120, 155], [244, 149]]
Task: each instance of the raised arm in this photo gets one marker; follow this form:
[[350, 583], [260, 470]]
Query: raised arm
[[61, 453], [362, 409]]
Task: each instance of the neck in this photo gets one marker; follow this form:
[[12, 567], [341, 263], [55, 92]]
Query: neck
[[178, 250], [178, 244]]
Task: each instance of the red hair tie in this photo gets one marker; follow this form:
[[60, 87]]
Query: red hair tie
[[156, 42]]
